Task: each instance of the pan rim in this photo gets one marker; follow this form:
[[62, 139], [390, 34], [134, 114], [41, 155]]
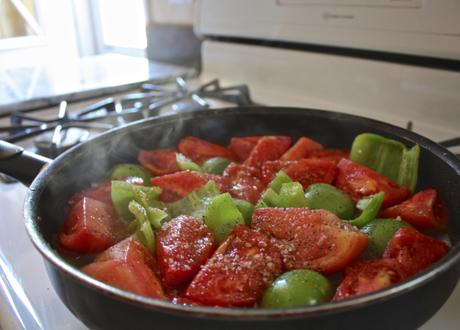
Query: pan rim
[[45, 249]]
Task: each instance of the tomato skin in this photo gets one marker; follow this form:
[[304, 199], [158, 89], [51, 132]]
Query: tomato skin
[[159, 162], [183, 245], [90, 227], [312, 239], [127, 265], [301, 149], [268, 148], [305, 171], [177, 185], [243, 182], [200, 150], [425, 210], [369, 276], [414, 251], [359, 181], [242, 146], [238, 272]]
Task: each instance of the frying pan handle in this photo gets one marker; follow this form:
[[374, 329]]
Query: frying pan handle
[[19, 163]]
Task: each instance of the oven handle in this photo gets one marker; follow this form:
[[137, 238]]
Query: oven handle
[[21, 164]]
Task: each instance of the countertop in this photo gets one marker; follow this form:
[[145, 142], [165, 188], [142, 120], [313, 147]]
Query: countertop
[[44, 85]]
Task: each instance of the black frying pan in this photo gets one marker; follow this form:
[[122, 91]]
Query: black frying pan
[[404, 306]]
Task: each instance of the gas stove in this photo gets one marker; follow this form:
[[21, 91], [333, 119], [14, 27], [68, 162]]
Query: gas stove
[[425, 100]]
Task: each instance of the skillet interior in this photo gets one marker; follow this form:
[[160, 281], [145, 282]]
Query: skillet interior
[[89, 162]]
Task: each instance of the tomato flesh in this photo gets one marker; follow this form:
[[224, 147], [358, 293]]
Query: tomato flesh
[[414, 251], [359, 181], [301, 149], [329, 154], [268, 148], [368, 276], [128, 266], [243, 182], [425, 210], [242, 146], [160, 161], [239, 271], [177, 185], [312, 239], [91, 226], [183, 245], [200, 150]]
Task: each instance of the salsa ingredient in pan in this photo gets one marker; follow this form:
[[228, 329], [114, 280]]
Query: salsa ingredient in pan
[[263, 222]]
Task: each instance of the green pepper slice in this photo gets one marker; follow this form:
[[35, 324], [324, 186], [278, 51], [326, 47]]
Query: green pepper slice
[[370, 207], [215, 165], [246, 209], [222, 215], [185, 163], [144, 232], [127, 170], [124, 192], [388, 157]]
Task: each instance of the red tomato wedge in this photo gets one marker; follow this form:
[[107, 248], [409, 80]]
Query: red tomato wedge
[[268, 148], [414, 251], [200, 150], [305, 171], [128, 266], [101, 192], [242, 146], [329, 154], [425, 210], [91, 226], [183, 245], [359, 181], [368, 276], [239, 271], [313, 239], [301, 149], [159, 162], [243, 182], [177, 185]]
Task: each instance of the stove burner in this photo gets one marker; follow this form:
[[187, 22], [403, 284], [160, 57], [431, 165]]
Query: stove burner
[[55, 135]]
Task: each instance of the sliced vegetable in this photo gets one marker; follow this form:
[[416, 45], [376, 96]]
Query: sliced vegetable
[[414, 251], [124, 192], [325, 196], [198, 150], [159, 162], [215, 165], [239, 271], [369, 276], [91, 226], [195, 203], [126, 170], [388, 157], [301, 149], [312, 239], [291, 194], [185, 163], [244, 182], [359, 181], [246, 209], [242, 146], [425, 210], [370, 207], [222, 216], [380, 231], [268, 148], [280, 178], [300, 287], [144, 232], [183, 246]]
